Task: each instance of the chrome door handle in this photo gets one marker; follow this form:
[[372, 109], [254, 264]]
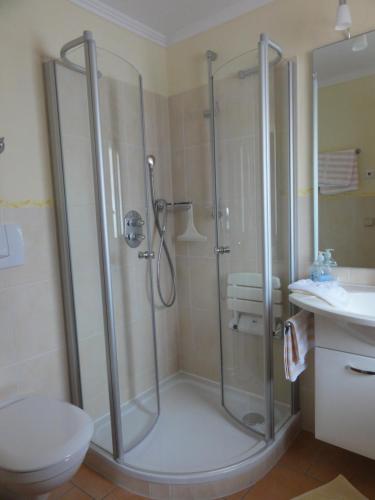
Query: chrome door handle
[[146, 255], [222, 250], [360, 371]]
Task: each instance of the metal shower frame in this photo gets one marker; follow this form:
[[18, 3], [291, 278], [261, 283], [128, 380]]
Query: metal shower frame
[[92, 74], [264, 63]]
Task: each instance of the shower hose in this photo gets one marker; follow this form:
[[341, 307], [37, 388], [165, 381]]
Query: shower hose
[[160, 209]]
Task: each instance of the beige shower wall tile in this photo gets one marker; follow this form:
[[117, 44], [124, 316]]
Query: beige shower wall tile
[[185, 345], [149, 102], [163, 173], [179, 176], [198, 174], [176, 122], [162, 121], [196, 126], [203, 283], [183, 281], [205, 333]]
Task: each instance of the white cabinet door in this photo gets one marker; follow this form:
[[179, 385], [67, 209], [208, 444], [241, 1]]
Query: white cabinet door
[[345, 400]]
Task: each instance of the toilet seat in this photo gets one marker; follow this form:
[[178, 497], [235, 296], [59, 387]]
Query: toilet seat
[[41, 437]]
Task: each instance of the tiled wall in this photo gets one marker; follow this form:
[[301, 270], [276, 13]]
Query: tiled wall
[[237, 123], [32, 330], [125, 190], [32, 340], [195, 262]]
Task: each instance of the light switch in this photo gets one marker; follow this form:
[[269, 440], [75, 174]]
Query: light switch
[[12, 248]]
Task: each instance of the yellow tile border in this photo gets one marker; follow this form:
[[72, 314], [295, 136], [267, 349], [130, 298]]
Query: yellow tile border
[[352, 194], [26, 203]]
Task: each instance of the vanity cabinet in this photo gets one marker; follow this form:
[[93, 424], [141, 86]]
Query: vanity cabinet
[[344, 385], [344, 369], [345, 400]]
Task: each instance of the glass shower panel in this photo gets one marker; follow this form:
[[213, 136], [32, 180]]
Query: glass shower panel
[[83, 239], [237, 141], [280, 135], [126, 190]]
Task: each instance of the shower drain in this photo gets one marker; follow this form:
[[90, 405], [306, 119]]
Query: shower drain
[[252, 418]]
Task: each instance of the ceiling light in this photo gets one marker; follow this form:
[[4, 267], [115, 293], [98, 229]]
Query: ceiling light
[[343, 16]]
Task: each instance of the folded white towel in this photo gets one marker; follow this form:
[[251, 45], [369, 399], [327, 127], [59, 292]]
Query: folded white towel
[[298, 340], [329, 291]]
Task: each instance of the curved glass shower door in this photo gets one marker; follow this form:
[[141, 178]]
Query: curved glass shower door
[[246, 345], [103, 207], [237, 140]]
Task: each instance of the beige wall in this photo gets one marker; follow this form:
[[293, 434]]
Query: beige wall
[[32, 351], [32, 337], [31, 32]]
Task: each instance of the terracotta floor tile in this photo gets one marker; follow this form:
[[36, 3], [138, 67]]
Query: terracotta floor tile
[[332, 461], [59, 492], [364, 479], [282, 483], [92, 483], [120, 494], [76, 494], [302, 453]]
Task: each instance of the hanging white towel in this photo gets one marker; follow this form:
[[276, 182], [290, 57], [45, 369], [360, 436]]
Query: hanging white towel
[[298, 340], [338, 171], [329, 291]]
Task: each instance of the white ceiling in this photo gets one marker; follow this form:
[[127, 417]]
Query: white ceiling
[[169, 21]]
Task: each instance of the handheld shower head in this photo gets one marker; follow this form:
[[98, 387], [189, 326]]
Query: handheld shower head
[[151, 161]]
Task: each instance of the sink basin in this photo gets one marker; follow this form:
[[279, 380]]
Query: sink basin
[[360, 309]]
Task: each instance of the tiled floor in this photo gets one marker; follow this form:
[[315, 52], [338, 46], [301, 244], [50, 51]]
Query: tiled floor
[[307, 464]]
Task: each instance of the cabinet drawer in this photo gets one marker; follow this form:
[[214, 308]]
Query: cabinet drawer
[[345, 400]]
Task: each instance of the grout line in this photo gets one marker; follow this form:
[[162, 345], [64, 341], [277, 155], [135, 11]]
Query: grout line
[[65, 492], [78, 488]]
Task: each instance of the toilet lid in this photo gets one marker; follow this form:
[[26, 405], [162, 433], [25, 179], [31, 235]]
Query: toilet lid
[[37, 432]]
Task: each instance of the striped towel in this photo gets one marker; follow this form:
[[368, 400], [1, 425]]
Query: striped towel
[[298, 340], [338, 171]]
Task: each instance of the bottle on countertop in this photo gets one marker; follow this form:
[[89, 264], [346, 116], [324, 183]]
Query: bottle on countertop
[[321, 270]]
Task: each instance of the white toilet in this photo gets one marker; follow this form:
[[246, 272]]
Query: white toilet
[[42, 444]]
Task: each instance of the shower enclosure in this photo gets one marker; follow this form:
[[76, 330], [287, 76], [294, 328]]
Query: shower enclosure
[[105, 219]]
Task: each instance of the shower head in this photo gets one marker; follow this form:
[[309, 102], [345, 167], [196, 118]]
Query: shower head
[[151, 161]]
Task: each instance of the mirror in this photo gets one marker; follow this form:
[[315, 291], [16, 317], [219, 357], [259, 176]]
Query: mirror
[[344, 150]]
